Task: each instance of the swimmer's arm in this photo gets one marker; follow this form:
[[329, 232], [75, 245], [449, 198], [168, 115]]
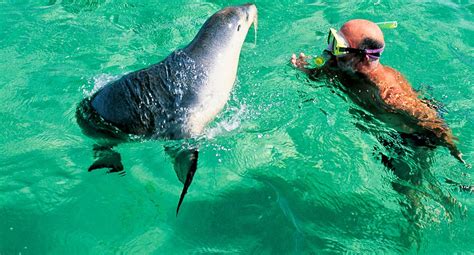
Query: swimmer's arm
[[301, 63], [407, 102]]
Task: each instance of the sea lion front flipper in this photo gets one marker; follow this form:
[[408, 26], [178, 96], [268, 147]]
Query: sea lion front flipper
[[185, 165], [105, 157]]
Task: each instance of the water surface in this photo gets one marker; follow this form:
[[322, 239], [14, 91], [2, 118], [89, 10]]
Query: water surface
[[285, 169]]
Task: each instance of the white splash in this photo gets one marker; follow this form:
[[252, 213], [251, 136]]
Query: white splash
[[227, 125], [98, 82]]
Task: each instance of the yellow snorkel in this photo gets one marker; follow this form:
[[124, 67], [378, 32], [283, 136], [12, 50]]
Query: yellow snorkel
[[336, 42], [387, 24]]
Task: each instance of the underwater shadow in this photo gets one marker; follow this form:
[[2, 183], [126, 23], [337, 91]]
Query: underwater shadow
[[410, 157], [271, 215]]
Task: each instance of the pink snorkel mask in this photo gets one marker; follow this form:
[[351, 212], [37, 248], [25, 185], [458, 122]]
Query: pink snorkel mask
[[374, 54]]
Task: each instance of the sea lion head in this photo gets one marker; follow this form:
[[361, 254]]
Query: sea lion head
[[224, 32]]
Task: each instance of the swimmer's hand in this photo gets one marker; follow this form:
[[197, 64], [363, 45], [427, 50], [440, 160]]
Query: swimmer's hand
[[300, 62]]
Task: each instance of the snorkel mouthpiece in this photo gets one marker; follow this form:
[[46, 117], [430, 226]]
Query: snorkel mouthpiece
[[319, 61]]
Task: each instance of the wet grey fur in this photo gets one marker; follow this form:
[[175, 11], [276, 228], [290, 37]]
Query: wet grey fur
[[153, 102]]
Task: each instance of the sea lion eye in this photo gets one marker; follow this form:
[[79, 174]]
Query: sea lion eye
[[238, 27]]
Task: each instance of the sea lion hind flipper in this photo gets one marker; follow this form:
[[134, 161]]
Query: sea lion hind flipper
[[105, 157], [185, 166]]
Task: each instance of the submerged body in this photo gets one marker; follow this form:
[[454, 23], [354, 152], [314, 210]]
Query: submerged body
[[174, 99], [389, 97]]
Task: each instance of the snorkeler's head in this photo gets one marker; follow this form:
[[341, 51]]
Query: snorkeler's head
[[362, 35], [357, 31]]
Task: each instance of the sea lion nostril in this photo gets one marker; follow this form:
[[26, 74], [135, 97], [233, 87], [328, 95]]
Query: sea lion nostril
[[238, 27], [247, 17]]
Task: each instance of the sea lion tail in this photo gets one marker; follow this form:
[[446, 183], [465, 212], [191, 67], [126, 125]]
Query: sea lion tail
[[185, 165]]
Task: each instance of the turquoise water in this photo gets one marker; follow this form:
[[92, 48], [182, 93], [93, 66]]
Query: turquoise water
[[285, 169]]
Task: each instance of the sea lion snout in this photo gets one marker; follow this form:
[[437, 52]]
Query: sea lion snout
[[246, 13], [236, 17]]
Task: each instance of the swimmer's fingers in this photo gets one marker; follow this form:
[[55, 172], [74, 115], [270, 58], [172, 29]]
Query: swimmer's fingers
[[302, 58], [299, 62], [293, 60]]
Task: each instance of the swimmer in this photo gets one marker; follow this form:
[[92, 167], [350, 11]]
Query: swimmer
[[353, 56], [352, 59]]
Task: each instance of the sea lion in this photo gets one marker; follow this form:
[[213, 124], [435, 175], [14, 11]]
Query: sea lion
[[173, 99]]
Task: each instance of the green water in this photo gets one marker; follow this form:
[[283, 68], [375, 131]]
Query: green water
[[284, 169]]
